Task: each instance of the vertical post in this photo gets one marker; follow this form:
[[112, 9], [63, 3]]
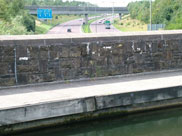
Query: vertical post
[[113, 15], [86, 18], [113, 12], [120, 16], [96, 20], [150, 15], [15, 66]]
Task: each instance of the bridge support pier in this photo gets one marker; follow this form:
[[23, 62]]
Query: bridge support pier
[[86, 18], [120, 16]]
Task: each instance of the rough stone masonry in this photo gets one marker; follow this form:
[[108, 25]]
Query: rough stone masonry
[[35, 59]]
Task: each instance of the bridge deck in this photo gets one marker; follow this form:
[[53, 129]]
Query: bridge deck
[[23, 96]]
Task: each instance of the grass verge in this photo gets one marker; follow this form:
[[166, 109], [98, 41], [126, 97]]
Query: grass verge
[[127, 25], [43, 27], [86, 27]]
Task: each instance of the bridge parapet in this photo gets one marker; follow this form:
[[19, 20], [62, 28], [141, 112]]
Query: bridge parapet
[[34, 59], [78, 10]]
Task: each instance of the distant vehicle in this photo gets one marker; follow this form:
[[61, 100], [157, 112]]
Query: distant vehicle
[[69, 30], [107, 27], [107, 24]]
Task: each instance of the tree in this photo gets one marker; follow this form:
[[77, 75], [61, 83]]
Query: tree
[[3, 9], [163, 11], [34, 2]]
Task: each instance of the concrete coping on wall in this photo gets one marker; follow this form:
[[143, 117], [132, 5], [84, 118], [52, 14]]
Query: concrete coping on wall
[[92, 35]]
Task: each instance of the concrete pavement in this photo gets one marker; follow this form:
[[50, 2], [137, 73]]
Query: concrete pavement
[[17, 97]]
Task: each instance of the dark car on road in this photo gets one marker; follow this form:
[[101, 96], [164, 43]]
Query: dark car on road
[[69, 30]]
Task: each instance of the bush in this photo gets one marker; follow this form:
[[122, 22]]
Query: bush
[[29, 22], [115, 21], [128, 24], [15, 27]]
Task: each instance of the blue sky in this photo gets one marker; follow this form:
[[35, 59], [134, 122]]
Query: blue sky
[[107, 3]]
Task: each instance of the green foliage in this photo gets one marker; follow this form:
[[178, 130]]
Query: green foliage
[[139, 10], [57, 2], [15, 27], [15, 19], [3, 9], [86, 27], [13, 10], [163, 11], [29, 22], [176, 24], [43, 27]]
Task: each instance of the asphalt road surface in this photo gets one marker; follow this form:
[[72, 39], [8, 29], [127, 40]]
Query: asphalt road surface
[[74, 25], [99, 26]]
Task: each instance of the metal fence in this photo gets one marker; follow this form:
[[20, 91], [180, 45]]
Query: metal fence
[[156, 27]]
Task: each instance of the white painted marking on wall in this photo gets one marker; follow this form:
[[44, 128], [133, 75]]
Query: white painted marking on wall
[[23, 58]]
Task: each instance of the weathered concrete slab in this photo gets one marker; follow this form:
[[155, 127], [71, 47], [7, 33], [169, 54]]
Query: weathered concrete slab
[[132, 98], [46, 110]]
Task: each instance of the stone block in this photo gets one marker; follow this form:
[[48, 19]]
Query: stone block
[[21, 51], [43, 66], [35, 78], [54, 55], [65, 52], [7, 81], [44, 55], [27, 68], [22, 78], [75, 51], [34, 52], [4, 68], [49, 77]]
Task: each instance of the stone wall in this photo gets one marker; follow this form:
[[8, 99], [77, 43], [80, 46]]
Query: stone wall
[[52, 58]]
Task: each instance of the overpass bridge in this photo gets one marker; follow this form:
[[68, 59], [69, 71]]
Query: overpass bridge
[[80, 10]]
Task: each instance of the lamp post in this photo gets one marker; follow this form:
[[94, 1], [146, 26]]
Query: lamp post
[[113, 12], [150, 15], [113, 15], [95, 19]]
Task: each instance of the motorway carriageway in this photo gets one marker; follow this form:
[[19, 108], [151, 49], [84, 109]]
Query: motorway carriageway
[[76, 27]]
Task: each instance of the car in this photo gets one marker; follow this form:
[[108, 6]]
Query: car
[[69, 30], [107, 27]]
